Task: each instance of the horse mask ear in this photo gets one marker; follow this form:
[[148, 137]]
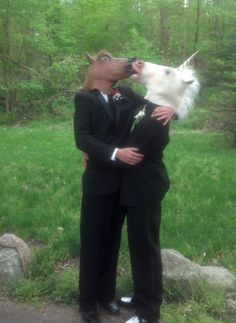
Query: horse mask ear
[[90, 58]]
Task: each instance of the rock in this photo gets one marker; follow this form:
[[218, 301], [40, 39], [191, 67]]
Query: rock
[[10, 265], [179, 273], [218, 278], [14, 256]]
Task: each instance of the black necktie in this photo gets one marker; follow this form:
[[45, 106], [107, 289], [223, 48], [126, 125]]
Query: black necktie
[[112, 106]]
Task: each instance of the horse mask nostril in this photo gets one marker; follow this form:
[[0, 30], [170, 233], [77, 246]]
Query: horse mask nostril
[[140, 63], [129, 66]]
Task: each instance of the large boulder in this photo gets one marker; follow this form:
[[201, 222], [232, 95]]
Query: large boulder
[[179, 273], [14, 256]]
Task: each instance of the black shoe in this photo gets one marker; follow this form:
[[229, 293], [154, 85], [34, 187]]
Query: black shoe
[[90, 316], [126, 302], [111, 307], [138, 319]]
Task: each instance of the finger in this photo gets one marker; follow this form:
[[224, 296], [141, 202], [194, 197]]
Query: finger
[[161, 109], [136, 160], [133, 149], [158, 114], [158, 110], [136, 155], [162, 118], [166, 121]]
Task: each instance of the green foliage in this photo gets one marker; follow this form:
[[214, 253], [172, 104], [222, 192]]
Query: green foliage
[[223, 78], [137, 46], [41, 193], [66, 286], [191, 311], [42, 265], [41, 200], [42, 63], [59, 287], [25, 290], [206, 161], [43, 47]]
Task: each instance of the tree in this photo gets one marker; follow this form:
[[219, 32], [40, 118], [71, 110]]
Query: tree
[[43, 44], [8, 94], [164, 29], [220, 73]]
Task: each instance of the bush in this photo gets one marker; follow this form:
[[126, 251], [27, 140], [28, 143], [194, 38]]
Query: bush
[[42, 266]]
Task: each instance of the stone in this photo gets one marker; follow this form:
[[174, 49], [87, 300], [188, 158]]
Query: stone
[[10, 264], [14, 256], [218, 278], [180, 273]]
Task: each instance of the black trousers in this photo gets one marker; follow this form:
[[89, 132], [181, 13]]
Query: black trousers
[[100, 232], [145, 254]]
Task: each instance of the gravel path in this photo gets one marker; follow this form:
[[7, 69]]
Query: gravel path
[[12, 312]]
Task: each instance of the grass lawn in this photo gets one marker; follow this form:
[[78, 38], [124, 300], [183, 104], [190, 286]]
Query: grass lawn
[[40, 195]]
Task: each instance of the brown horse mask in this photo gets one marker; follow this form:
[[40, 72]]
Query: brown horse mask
[[104, 71]]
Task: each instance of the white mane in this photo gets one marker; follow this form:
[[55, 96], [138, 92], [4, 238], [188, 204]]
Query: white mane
[[169, 86], [190, 94]]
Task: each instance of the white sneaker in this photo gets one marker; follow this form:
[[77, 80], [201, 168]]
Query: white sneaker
[[126, 299], [136, 319], [133, 319]]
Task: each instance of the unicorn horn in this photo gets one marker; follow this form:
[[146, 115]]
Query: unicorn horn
[[188, 61]]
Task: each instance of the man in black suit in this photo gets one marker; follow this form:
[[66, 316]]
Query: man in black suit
[[142, 189], [97, 121], [101, 126]]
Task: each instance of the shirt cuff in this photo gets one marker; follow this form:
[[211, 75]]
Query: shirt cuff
[[113, 156]]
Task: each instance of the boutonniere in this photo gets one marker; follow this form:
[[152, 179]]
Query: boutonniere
[[138, 117], [116, 95]]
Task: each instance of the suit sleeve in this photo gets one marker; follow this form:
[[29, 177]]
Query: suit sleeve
[[84, 139], [137, 99]]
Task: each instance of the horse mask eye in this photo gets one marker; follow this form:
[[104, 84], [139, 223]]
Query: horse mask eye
[[105, 58]]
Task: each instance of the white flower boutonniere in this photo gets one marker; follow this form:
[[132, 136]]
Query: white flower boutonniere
[[117, 97], [138, 117]]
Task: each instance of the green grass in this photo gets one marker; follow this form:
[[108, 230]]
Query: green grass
[[40, 195], [40, 191], [200, 208]]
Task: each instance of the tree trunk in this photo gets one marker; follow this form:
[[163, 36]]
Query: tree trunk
[[9, 96], [197, 25], [164, 31]]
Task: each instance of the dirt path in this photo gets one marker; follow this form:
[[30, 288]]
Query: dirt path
[[12, 312]]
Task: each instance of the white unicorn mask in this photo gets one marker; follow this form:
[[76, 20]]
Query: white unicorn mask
[[168, 86]]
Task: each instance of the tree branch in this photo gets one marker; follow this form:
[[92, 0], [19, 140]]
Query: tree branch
[[25, 67]]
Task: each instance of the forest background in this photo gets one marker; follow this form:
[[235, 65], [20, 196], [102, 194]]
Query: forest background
[[43, 47]]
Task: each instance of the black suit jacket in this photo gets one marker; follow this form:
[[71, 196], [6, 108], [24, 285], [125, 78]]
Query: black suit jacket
[[145, 184], [98, 131]]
